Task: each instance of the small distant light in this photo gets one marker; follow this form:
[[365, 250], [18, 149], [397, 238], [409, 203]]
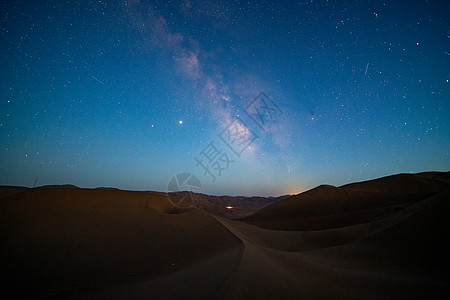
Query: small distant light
[[181, 122], [229, 207]]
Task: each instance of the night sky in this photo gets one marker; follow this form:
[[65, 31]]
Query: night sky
[[251, 97]]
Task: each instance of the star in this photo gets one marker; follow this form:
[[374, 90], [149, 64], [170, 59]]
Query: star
[[181, 122]]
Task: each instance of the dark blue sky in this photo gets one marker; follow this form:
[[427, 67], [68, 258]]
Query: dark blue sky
[[129, 94]]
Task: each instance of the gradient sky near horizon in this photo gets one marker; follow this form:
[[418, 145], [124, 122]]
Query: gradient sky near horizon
[[128, 94]]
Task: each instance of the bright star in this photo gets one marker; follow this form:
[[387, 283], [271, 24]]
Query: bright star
[[181, 122]]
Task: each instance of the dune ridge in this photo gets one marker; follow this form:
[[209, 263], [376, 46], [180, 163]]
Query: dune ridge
[[379, 239], [62, 240]]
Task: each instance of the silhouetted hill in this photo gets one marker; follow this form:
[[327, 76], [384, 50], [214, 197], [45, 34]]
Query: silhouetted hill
[[231, 207], [327, 206], [379, 239]]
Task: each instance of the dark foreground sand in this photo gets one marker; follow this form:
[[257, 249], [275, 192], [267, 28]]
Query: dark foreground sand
[[381, 239]]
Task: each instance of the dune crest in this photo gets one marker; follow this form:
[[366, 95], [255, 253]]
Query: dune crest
[[379, 239]]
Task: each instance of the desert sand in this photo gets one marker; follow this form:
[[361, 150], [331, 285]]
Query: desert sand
[[379, 239]]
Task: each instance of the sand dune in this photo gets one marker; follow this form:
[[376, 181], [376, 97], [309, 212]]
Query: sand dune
[[401, 256], [380, 239], [59, 241], [238, 206]]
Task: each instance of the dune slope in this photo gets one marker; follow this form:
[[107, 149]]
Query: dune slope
[[380, 239], [401, 256], [58, 241]]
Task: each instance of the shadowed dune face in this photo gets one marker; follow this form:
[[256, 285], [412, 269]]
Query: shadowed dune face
[[59, 240], [6, 191], [328, 207], [429, 182], [332, 243], [380, 239], [224, 206]]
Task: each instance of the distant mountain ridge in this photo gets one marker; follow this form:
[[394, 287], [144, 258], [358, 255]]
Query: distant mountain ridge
[[231, 207], [379, 239]]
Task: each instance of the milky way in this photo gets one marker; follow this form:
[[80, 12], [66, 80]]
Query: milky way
[[260, 98]]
